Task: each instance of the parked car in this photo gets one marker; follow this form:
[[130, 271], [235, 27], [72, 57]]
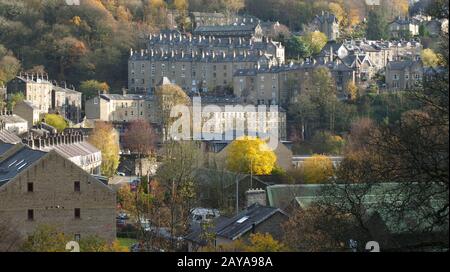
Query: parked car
[[200, 215], [123, 216]]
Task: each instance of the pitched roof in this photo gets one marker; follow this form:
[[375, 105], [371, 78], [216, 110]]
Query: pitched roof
[[8, 137], [17, 161], [244, 221], [239, 225], [12, 119]]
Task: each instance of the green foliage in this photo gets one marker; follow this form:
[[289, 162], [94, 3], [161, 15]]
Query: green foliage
[[316, 41], [317, 169], [46, 239], [324, 142], [9, 65], [106, 139], [91, 88], [56, 121], [318, 108], [297, 48], [14, 99], [376, 25]]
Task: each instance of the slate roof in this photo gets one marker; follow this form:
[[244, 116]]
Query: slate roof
[[74, 150], [12, 119], [400, 65], [226, 28], [8, 137], [20, 160], [110, 97], [239, 225]]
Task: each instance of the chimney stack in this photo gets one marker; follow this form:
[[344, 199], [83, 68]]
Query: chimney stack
[[255, 196]]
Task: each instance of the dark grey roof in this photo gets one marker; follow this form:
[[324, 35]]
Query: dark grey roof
[[243, 222], [5, 147], [405, 21], [225, 28], [17, 162], [233, 228], [400, 65]]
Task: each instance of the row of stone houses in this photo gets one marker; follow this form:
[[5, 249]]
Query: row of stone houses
[[46, 96], [379, 52], [282, 84], [199, 63], [127, 108]]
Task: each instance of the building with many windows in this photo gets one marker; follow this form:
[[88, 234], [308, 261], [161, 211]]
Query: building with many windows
[[198, 63]]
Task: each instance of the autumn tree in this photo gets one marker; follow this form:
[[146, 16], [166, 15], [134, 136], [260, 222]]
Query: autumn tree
[[320, 228], [56, 121], [91, 88], [9, 65], [324, 142], [250, 154], [352, 90], [318, 169], [169, 96], [430, 58], [177, 175], [97, 244], [105, 138], [69, 50], [257, 242], [316, 40], [233, 6], [140, 139], [46, 239]]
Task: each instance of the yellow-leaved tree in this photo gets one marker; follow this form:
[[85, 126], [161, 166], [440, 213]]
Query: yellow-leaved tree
[[317, 169], [249, 153], [56, 121], [106, 139], [430, 58]]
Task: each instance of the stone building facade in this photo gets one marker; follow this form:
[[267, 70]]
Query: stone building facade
[[402, 75], [282, 84], [36, 88], [67, 102], [403, 27], [38, 188], [28, 111], [46, 96], [326, 23], [122, 108], [198, 63]]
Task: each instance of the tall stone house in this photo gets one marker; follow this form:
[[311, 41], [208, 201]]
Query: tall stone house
[[326, 23], [46, 96], [404, 74], [39, 188]]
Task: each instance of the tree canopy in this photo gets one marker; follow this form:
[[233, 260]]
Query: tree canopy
[[248, 154]]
